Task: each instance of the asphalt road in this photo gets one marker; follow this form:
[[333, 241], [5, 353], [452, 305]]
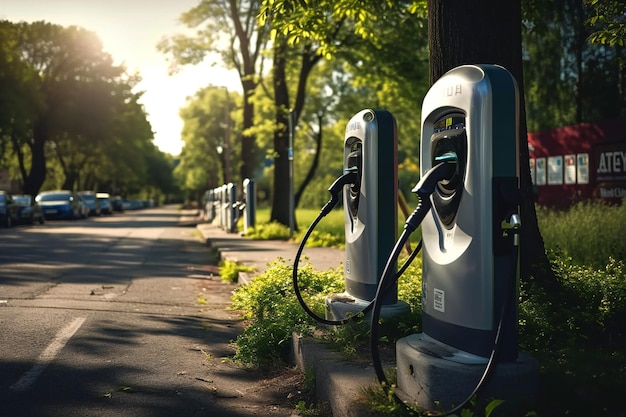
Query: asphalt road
[[119, 315]]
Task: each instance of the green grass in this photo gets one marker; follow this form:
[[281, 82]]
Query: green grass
[[329, 231], [589, 233]]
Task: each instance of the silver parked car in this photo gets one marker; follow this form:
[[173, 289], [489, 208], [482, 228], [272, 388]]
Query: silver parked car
[[104, 202]]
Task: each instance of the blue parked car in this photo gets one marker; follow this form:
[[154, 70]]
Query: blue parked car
[[30, 211], [59, 204]]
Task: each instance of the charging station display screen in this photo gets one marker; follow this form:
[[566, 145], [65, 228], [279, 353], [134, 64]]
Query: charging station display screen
[[449, 136], [452, 121]]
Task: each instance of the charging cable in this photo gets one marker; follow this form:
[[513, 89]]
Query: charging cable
[[350, 176], [424, 189]]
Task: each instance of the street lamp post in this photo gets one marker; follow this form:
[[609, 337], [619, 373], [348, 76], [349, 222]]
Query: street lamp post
[[220, 152], [226, 149]]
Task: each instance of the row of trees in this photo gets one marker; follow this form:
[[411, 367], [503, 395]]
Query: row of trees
[[326, 60], [69, 117]]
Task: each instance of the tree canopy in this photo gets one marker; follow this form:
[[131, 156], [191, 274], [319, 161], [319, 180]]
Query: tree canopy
[[69, 117]]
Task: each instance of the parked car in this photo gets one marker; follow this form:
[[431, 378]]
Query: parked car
[[118, 203], [59, 204], [9, 211], [89, 197], [29, 210], [104, 201]]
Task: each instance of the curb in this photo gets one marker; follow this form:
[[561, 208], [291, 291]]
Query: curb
[[338, 382]]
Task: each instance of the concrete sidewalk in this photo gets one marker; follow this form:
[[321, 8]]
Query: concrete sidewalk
[[338, 381], [259, 253]]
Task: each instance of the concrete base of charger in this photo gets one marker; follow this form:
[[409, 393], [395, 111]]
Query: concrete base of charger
[[428, 381], [341, 306]]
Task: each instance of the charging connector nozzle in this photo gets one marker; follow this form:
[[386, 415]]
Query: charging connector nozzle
[[350, 176], [444, 170]]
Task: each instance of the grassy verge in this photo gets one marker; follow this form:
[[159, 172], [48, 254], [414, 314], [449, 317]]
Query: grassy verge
[[580, 341]]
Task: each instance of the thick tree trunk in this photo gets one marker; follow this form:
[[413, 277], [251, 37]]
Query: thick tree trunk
[[37, 174], [489, 32], [280, 196]]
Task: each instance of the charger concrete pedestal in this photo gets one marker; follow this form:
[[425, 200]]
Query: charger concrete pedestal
[[341, 306], [426, 379]]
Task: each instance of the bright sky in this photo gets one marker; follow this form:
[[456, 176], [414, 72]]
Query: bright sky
[[130, 31]]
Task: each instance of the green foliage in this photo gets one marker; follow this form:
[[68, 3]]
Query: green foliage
[[269, 231], [274, 313], [210, 124], [608, 21], [590, 312], [589, 233], [229, 270]]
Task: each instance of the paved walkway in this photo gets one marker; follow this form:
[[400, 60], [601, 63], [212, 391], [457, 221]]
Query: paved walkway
[[259, 253]]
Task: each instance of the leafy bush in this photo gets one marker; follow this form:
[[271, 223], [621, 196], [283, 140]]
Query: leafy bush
[[274, 313], [591, 310]]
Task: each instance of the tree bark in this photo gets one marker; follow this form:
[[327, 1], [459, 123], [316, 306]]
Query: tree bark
[[37, 174], [280, 196], [489, 32]]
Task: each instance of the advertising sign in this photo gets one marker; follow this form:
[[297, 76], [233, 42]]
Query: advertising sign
[[555, 170], [570, 169], [541, 171], [582, 168]]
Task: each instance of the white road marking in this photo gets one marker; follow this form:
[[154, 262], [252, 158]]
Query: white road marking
[[48, 355]]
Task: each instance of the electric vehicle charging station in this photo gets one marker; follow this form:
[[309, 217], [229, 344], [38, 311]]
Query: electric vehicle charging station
[[209, 205], [470, 247], [231, 208], [249, 212], [370, 213], [221, 191]]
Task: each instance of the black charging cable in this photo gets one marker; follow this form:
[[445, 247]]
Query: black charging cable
[[424, 189], [350, 176]]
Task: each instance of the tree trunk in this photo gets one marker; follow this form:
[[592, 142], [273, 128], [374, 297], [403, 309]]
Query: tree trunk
[[280, 201], [489, 32], [37, 174], [280, 196], [318, 151], [248, 141]]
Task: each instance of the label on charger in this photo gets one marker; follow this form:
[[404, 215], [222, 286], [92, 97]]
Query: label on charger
[[439, 301]]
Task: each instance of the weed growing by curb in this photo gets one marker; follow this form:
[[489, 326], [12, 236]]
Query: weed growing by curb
[[229, 271]]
